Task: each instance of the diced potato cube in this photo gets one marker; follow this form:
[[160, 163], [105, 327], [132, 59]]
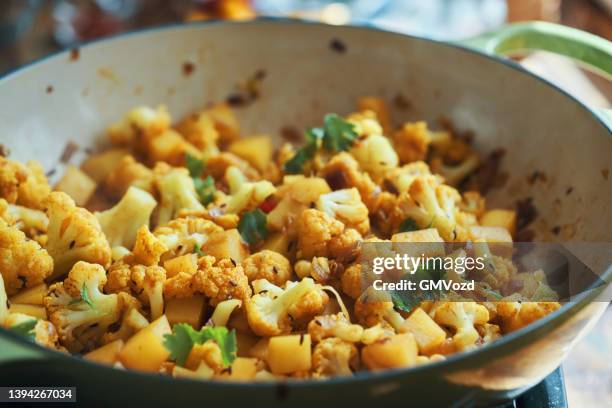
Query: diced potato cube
[[288, 354], [99, 165], [243, 369], [426, 235], [226, 122], [277, 242], [500, 218], [77, 185], [31, 296], [107, 354], [427, 333], [226, 244], [427, 242], [260, 349], [186, 263], [171, 148], [188, 310], [397, 351], [128, 172], [257, 150], [498, 238], [30, 310], [145, 351], [203, 372]]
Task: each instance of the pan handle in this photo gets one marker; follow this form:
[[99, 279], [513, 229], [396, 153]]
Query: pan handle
[[592, 51]]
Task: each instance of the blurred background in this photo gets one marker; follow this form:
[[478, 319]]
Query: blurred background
[[30, 29]]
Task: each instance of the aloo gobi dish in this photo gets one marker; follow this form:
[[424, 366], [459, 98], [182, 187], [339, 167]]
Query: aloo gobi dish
[[194, 251]]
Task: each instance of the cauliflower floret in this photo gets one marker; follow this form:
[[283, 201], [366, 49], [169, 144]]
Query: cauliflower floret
[[199, 129], [462, 317], [431, 204], [144, 282], [472, 202], [78, 308], [23, 263], [177, 193], [182, 235], [365, 123], [128, 173], [380, 109], [74, 234], [269, 265], [345, 247], [455, 174], [31, 222], [334, 357], [208, 353], [371, 312], [376, 155], [244, 195], [217, 166], [133, 321], [268, 311], [148, 249], [139, 126], [516, 315], [121, 222], [412, 141], [342, 171], [351, 281], [402, 177], [307, 306], [43, 332], [221, 280], [346, 206], [24, 185], [337, 325], [315, 230]]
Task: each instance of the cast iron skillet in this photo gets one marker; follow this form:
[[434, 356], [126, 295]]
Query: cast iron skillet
[[312, 69]]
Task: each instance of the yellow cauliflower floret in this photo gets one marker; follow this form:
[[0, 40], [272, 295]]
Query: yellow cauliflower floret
[[375, 155], [431, 204], [455, 174], [308, 306], [139, 126], [144, 282], [365, 123], [217, 166], [371, 312], [74, 234], [208, 353], [43, 333], [268, 310], [516, 315], [322, 327], [31, 222], [402, 177], [78, 308], [121, 222], [269, 265], [148, 249], [462, 317], [221, 280], [345, 248], [23, 184], [244, 195], [182, 235], [315, 230], [199, 129], [472, 202], [177, 193], [23, 263], [334, 357], [128, 173], [346, 206], [351, 281], [412, 142]]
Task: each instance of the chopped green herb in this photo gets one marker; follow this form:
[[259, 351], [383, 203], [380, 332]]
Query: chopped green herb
[[194, 165], [25, 328], [197, 248], [252, 226], [404, 301], [339, 134], [184, 337], [295, 165], [84, 298], [205, 189], [408, 225]]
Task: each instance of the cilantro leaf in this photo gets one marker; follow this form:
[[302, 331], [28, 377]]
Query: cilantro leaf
[[84, 298], [295, 165], [339, 134], [252, 226], [184, 337], [408, 225], [194, 165], [205, 188], [25, 328], [197, 248], [404, 301]]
